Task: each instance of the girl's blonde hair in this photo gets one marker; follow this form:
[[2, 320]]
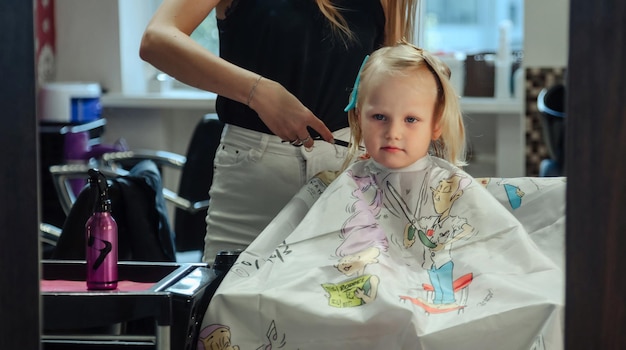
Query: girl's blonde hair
[[405, 58], [399, 19]]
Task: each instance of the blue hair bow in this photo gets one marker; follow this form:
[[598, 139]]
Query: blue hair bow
[[355, 90]]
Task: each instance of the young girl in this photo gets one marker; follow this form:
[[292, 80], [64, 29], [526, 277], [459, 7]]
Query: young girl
[[403, 250], [403, 106]]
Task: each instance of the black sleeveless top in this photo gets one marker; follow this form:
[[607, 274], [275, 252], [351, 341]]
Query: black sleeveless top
[[291, 42]]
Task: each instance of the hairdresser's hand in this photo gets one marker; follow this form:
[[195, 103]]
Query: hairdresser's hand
[[285, 115]]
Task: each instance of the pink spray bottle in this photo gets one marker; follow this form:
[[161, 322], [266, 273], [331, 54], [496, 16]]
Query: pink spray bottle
[[101, 237]]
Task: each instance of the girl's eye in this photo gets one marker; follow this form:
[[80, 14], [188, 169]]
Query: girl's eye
[[411, 120], [378, 117]]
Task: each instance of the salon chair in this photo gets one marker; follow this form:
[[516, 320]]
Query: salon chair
[[551, 106], [138, 207], [190, 200], [65, 142]]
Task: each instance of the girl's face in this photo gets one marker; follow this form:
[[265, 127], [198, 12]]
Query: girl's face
[[396, 117]]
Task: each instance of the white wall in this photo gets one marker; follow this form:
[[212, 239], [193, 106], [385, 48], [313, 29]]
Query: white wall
[[546, 33], [93, 37]]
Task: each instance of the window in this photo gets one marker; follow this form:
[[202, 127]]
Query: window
[[206, 34], [467, 35], [469, 26], [466, 26]]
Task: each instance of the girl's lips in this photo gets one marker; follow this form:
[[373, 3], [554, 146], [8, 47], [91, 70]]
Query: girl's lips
[[391, 149]]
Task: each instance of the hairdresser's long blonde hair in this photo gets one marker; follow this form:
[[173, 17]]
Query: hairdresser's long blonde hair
[[399, 15]]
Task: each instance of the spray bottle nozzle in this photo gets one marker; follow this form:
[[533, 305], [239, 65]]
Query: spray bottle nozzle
[[98, 182]]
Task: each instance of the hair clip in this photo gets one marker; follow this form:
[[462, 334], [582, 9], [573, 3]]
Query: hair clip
[[353, 96]]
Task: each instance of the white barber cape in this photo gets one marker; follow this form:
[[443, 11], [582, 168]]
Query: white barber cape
[[424, 257]]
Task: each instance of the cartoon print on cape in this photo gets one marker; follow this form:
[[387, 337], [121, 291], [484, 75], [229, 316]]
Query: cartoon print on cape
[[513, 192], [363, 240], [382, 252], [436, 235], [217, 337]]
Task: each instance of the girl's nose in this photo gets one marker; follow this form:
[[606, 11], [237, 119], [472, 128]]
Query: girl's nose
[[393, 130]]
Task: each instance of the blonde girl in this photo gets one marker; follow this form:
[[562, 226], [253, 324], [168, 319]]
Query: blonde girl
[[405, 62]]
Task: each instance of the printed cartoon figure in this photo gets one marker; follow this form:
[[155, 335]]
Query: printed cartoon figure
[[440, 232], [483, 181], [436, 234], [215, 337], [363, 241], [274, 342], [515, 194]]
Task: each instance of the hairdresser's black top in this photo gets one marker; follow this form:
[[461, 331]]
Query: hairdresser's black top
[[292, 43]]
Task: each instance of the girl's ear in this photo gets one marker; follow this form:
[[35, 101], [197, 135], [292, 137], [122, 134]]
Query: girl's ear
[[357, 118], [436, 131]]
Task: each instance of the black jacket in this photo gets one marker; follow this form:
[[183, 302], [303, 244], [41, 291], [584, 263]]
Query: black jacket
[[138, 207]]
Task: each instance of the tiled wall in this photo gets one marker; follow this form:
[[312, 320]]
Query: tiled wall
[[536, 80]]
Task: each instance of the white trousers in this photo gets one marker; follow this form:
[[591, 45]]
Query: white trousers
[[255, 175]]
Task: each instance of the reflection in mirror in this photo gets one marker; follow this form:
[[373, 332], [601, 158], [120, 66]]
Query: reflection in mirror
[[501, 145]]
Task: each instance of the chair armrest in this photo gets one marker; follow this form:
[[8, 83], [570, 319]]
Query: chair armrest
[[183, 203], [166, 158], [161, 158], [113, 166], [61, 174], [49, 233]]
